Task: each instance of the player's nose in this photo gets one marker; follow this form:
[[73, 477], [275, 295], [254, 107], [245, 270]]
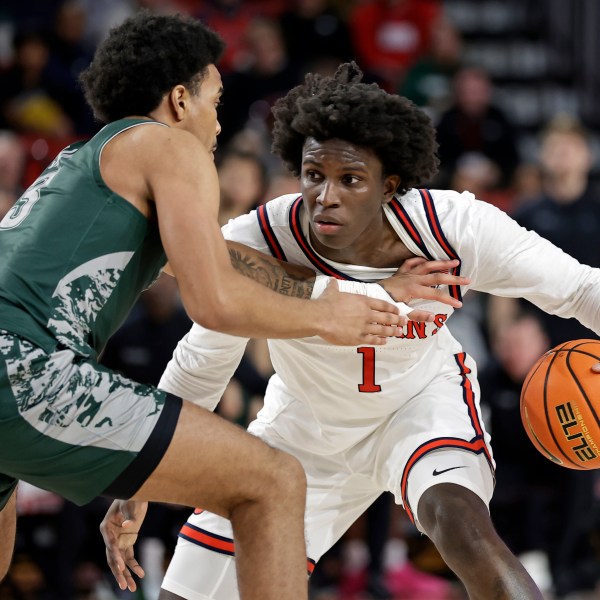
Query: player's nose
[[328, 195]]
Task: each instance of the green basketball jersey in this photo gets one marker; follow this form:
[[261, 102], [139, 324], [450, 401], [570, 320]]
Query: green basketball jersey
[[74, 256]]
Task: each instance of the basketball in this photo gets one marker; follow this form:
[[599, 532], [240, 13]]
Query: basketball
[[560, 405]]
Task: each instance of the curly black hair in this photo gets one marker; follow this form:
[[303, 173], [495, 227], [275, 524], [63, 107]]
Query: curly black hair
[[343, 107], [143, 59]]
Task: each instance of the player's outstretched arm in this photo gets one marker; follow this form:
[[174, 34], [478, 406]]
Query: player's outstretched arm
[[281, 277], [8, 524], [415, 279]]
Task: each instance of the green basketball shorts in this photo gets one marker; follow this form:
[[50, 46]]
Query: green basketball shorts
[[71, 426]]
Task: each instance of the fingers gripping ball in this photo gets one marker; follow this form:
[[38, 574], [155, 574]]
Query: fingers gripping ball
[[560, 405]]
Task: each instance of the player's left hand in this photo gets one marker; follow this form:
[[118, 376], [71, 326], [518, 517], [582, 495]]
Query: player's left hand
[[120, 528], [418, 278]]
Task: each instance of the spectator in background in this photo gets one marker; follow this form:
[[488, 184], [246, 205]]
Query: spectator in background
[[568, 214], [479, 175], [242, 182], [28, 100], [524, 478], [251, 91], [389, 36], [30, 14], [526, 184], [231, 18], [316, 35], [474, 124], [69, 56], [282, 182], [12, 167], [102, 16], [428, 83]]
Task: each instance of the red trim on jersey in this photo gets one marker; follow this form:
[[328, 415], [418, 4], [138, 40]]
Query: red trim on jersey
[[435, 224], [468, 394], [267, 230], [301, 240], [477, 445], [409, 226], [436, 229], [218, 543], [209, 540]]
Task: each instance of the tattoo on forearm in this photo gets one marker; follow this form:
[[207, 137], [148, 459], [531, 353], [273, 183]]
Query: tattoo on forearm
[[272, 274]]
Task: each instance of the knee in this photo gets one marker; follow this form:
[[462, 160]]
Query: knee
[[453, 516], [286, 475]]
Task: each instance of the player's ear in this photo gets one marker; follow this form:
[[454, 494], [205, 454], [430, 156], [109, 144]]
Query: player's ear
[[390, 185], [178, 98]]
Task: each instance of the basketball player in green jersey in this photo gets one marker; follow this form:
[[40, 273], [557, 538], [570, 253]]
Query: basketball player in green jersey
[[78, 248]]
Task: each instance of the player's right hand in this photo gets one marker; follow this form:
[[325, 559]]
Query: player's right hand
[[355, 320], [120, 528]]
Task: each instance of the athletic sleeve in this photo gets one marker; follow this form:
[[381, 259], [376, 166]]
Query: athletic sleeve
[[246, 230], [204, 361], [373, 290], [202, 365], [506, 259]]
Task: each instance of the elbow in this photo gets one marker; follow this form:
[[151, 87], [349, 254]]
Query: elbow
[[215, 321], [217, 315]]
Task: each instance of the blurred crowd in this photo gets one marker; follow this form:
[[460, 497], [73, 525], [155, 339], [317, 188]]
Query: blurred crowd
[[549, 516]]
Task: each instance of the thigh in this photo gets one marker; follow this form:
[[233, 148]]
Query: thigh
[[437, 437], [73, 427], [335, 498], [203, 565], [337, 491]]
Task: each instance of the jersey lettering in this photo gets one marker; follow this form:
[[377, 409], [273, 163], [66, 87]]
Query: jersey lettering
[[368, 385], [439, 321], [23, 206], [415, 329]]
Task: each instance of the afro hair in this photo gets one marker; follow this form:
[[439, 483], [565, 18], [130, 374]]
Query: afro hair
[[143, 59], [343, 107]]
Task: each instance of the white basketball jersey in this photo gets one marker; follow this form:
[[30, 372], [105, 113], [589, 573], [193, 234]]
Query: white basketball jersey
[[328, 398]]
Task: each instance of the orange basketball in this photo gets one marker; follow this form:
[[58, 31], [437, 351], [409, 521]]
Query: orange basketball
[[560, 405]]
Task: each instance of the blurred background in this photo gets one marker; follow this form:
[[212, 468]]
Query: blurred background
[[512, 88]]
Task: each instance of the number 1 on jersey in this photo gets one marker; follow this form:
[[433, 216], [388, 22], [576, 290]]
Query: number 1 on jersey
[[368, 384]]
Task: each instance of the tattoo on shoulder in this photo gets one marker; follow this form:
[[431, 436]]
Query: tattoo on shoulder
[[271, 273]]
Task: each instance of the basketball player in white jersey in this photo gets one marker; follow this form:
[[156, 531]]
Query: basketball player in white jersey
[[404, 417]]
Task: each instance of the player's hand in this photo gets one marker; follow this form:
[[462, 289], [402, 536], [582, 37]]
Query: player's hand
[[417, 278], [355, 320], [120, 528]]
